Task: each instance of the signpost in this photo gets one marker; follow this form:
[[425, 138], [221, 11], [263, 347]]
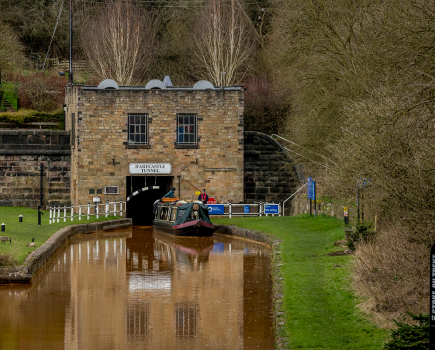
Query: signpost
[[310, 192], [216, 208], [346, 215], [432, 297], [271, 209], [211, 200]]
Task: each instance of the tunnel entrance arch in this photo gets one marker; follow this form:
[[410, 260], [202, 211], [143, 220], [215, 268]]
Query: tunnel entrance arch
[[140, 200]]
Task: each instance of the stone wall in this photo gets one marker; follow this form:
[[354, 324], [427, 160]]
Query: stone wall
[[21, 154], [101, 156], [270, 174]]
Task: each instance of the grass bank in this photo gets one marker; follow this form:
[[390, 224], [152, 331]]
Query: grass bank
[[21, 233], [319, 304]]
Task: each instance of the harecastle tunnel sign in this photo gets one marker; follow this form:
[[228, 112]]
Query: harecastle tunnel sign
[[150, 168]]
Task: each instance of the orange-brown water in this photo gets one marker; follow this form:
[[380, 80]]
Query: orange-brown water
[[143, 289]]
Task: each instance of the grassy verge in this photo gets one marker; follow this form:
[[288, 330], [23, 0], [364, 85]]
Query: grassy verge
[[10, 94], [21, 233], [319, 304]]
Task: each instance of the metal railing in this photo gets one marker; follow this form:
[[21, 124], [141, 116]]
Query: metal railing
[[300, 155], [257, 209], [87, 210], [283, 203]]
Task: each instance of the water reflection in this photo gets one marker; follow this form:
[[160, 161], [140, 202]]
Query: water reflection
[[144, 289]]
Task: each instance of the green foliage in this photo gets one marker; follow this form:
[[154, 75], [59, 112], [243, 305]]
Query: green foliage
[[10, 94], [1, 100], [407, 336], [19, 119], [363, 233]]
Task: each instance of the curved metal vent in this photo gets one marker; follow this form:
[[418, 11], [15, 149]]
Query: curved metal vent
[[108, 84], [203, 85], [167, 81], [155, 84]]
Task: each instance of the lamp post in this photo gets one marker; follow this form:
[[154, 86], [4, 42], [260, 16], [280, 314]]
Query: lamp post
[[70, 78]]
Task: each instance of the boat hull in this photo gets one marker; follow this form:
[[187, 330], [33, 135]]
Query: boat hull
[[190, 228]]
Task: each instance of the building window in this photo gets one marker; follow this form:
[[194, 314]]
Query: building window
[[186, 130], [138, 129]]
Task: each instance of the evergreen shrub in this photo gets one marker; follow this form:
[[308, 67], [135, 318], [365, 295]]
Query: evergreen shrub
[[363, 233], [407, 336]]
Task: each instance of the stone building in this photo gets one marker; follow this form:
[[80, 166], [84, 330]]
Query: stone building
[[127, 138], [118, 140]]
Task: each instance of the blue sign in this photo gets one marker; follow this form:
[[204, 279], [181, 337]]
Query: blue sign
[[271, 209], [246, 209], [216, 208], [218, 247], [310, 188]]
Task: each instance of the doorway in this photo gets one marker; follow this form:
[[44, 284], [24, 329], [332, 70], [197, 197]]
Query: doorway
[[140, 207]]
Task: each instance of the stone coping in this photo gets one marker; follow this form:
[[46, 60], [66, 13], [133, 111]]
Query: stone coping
[[281, 342], [35, 132], [39, 257]]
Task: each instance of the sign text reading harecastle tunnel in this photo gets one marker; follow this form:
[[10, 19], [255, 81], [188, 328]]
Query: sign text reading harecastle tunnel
[[150, 168]]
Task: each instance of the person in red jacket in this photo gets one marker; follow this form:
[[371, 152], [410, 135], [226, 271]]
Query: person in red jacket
[[203, 197]]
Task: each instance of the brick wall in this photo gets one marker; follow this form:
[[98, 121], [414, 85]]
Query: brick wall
[[100, 157], [21, 154]]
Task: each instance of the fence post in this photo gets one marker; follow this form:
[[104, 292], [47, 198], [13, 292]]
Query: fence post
[[96, 210], [49, 220], [121, 209], [114, 208], [64, 213], [89, 209], [229, 210], [80, 212], [58, 213], [261, 214], [107, 208], [279, 208], [72, 211]]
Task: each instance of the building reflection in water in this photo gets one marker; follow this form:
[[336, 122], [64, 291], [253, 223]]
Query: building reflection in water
[[145, 290]]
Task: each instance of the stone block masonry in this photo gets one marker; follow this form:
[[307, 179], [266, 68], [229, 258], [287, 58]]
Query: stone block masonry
[[98, 120], [21, 154], [270, 174]]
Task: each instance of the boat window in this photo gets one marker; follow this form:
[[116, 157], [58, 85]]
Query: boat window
[[174, 214], [180, 213], [164, 214]]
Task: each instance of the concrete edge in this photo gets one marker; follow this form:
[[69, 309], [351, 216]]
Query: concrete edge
[[39, 257], [281, 342]]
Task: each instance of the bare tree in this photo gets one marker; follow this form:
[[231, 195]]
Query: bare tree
[[224, 42], [118, 43], [11, 49]]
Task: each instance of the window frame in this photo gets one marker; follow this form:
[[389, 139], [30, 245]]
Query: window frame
[[138, 144], [193, 135]]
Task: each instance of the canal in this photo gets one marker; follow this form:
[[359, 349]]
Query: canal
[[143, 289]]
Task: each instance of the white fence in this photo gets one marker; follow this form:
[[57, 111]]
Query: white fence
[[78, 211], [229, 210], [257, 209]]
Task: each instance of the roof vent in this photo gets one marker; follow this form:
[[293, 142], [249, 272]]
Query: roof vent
[[203, 85], [155, 84], [108, 84], [167, 81]]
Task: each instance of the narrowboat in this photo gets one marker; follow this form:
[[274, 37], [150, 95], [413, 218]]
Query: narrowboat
[[180, 218]]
